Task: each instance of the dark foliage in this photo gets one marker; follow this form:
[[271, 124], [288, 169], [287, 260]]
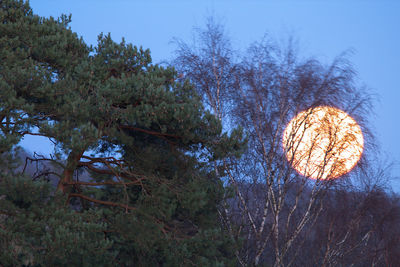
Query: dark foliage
[[141, 139]]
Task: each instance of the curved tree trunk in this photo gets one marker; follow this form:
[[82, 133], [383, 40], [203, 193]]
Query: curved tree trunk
[[66, 177]]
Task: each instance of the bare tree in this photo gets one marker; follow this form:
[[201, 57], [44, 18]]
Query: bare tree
[[273, 87], [276, 210], [208, 63]]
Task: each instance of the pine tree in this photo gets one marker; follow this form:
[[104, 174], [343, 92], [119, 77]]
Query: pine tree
[[143, 136]]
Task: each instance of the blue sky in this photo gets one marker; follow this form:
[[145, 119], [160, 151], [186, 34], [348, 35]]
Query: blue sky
[[324, 29]]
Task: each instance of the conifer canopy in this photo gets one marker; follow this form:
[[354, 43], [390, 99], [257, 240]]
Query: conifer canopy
[[138, 134]]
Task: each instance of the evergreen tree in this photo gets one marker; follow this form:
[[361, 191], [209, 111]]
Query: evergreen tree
[[144, 137]]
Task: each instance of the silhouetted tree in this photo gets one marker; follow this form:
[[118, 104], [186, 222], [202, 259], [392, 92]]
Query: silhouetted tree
[[275, 209]]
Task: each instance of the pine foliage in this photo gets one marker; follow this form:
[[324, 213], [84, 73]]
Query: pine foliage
[[141, 134]]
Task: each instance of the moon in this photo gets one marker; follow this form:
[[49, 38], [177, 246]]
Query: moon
[[323, 143]]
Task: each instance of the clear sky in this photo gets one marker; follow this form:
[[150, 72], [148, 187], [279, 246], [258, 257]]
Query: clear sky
[[324, 29]]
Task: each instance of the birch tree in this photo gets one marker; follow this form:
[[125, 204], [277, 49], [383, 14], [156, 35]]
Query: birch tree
[[273, 204]]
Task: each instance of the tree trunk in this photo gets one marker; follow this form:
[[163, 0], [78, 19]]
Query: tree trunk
[[72, 162]]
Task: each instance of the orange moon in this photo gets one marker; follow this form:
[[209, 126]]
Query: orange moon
[[323, 143]]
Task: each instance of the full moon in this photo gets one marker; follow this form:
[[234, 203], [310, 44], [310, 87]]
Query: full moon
[[323, 143]]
